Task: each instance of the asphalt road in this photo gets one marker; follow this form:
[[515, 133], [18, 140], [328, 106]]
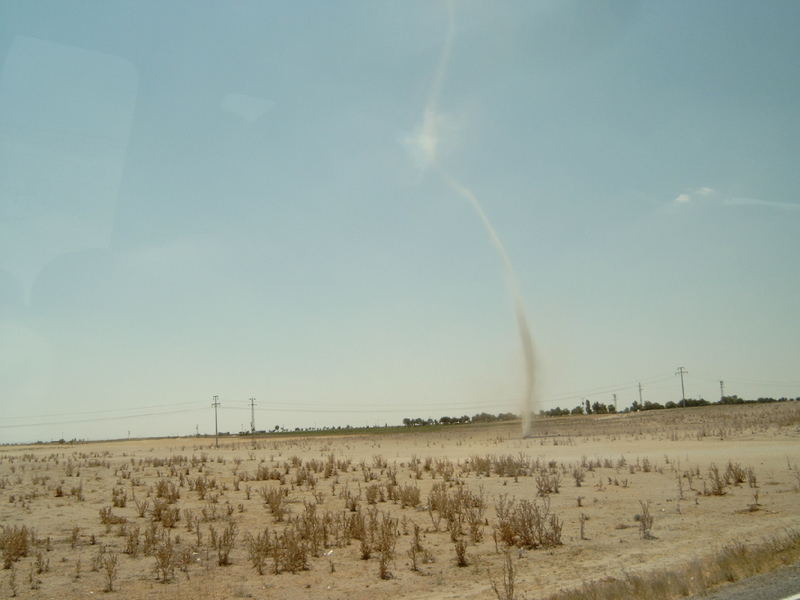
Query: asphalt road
[[777, 585]]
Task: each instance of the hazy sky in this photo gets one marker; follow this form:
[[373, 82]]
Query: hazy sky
[[246, 199]]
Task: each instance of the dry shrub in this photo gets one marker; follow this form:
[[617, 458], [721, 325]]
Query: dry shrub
[[583, 518], [645, 521], [97, 559], [527, 524], [200, 485], [141, 507], [259, 549], [42, 563], [14, 542], [132, 542], [504, 590], [167, 490], [718, 481], [475, 521], [74, 537], [409, 496], [417, 549], [313, 528], [454, 506], [547, 483], [290, 553], [578, 475], [225, 543], [170, 516], [182, 560], [275, 499], [365, 547], [512, 466], [374, 493], [109, 518], [119, 498], [110, 570], [160, 508], [385, 542], [164, 553], [460, 547], [735, 473], [752, 480]]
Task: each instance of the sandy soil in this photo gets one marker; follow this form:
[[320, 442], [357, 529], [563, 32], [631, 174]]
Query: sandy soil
[[661, 457]]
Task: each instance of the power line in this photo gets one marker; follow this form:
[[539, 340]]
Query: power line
[[580, 395], [370, 410], [100, 411], [290, 406], [98, 419], [750, 381], [606, 389], [112, 414]]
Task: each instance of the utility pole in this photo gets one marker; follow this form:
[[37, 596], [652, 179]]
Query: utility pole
[[197, 430], [721, 390], [215, 404], [640, 393], [615, 403], [681, 371], [252, 415]]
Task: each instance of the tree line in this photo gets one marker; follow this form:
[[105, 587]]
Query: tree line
[[483, 417], [598, 408]]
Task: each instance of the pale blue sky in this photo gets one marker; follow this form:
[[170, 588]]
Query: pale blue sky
[[204, 198]]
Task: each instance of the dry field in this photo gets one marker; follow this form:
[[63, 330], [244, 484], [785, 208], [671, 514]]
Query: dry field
[[431, 513]]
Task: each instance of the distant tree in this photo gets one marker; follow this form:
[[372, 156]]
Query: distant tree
[[731, 400], [578, 410], [555, 412], [483, 417], [692, 402], [588, 408], [652, 405]]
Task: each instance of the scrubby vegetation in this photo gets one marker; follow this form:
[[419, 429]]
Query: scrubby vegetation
[[453, 504]]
